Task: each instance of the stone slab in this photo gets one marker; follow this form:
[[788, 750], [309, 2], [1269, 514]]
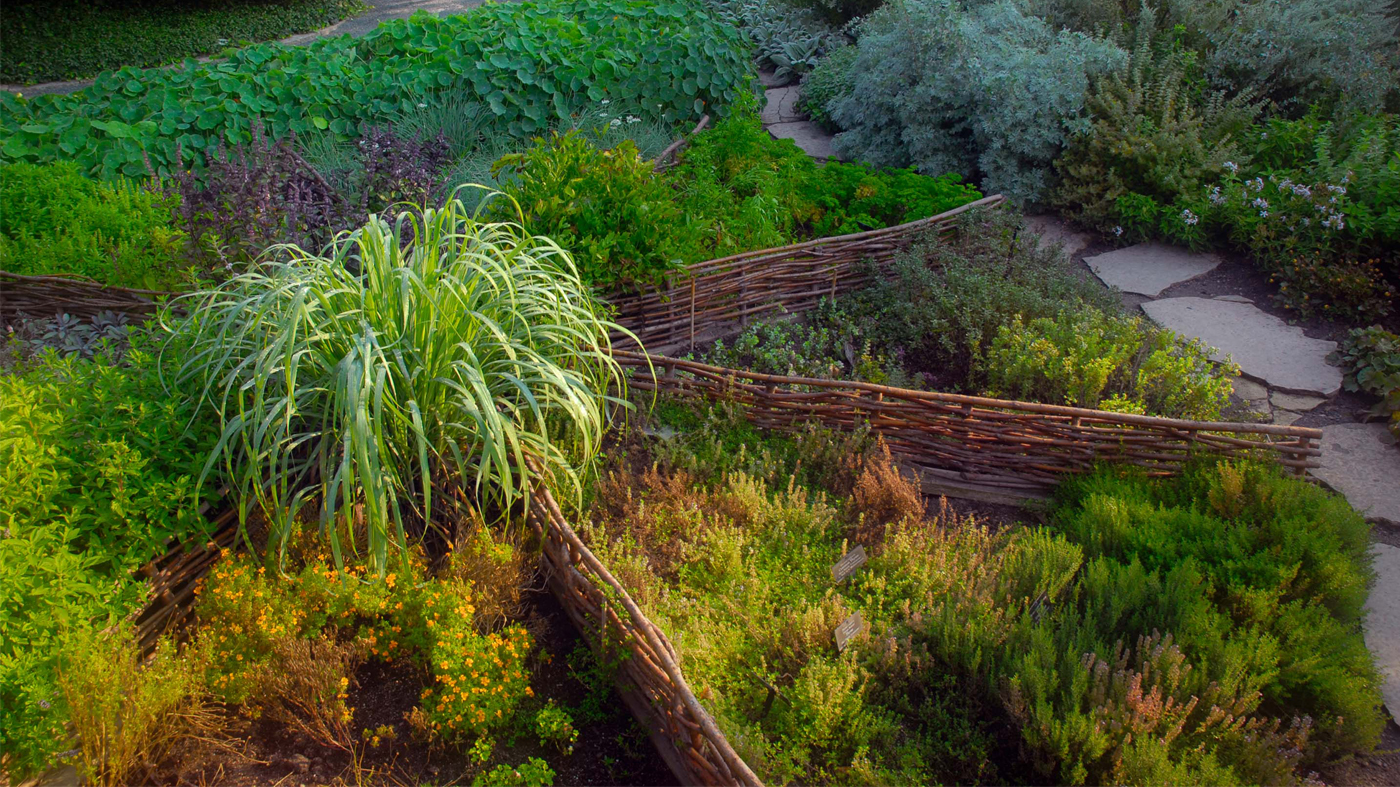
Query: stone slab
[[1294, 402], [1053, 230], [1383, 623], [1149, 268], [1233, 298], [1249, 390], [1362, 463], [1285, 417], [1265, 347], [782, 106], [812, 138]]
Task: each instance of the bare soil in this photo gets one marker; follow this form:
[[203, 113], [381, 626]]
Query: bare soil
[[1379, 769]]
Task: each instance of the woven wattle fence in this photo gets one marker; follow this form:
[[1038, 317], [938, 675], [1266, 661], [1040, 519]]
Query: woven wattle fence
[[718, 297], [174, 577], [649, 678], [990, 445], [45, 296]]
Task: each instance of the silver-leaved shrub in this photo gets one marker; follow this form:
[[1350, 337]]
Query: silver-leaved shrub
[[990, 92]]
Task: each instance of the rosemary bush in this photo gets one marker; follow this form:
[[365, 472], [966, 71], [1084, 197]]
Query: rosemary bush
[[417, 360]]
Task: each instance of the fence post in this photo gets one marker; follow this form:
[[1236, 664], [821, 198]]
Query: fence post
[[692, 312]]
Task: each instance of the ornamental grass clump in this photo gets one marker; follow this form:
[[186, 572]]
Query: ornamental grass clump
[[421, 358]]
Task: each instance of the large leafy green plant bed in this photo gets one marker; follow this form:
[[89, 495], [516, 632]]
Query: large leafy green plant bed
[[533, 63]]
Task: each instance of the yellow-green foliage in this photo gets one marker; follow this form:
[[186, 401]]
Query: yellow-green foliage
[[98, 469], [54, 220], [1087, 358], [127, 712]]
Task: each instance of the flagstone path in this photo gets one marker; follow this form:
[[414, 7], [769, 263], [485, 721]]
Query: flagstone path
[[1285, 375], [784, 120]]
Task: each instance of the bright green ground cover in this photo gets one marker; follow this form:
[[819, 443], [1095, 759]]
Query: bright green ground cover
[[98, 470], [48, 41]]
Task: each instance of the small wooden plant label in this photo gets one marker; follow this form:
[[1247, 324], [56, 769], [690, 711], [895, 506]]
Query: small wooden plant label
[[848, 564], [848, 629]]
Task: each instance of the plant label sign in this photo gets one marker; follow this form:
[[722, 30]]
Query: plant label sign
[[848, 564], [845, 632]]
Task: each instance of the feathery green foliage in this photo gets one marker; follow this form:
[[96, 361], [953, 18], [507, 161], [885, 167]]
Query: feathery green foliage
[[1157, 131], [417, 359], [54, 220]]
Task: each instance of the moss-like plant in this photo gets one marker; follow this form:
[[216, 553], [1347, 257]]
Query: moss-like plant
[[431, 357]]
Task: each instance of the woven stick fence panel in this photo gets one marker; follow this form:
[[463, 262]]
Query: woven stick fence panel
[[722, 295], [175, 576], [991, 443], [46, 296], [650, 680]]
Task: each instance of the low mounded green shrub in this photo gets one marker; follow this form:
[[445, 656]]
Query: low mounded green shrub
[[1280, 573], [607, 207], [54, 220], [1371, 357], [46, 41], [532, 63], [98, 470], [1087, 358], [738, 169]]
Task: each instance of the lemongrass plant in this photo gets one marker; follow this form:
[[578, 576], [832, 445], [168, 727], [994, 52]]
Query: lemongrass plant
[[434, 354]]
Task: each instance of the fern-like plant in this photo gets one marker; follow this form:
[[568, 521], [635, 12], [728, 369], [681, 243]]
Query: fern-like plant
[[428, 358], [1157, 132]]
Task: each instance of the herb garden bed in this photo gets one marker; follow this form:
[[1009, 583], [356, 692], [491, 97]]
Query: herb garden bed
[[719, 296]]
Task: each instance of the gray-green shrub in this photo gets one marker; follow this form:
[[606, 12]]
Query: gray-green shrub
[[992, 90], [1329, 51]]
